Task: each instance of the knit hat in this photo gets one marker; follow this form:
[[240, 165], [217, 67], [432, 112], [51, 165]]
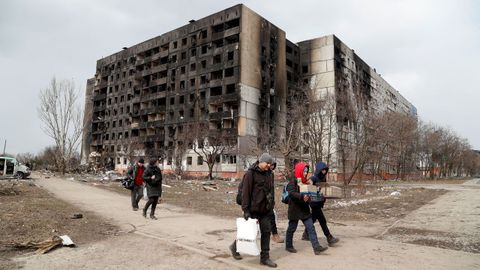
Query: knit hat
[[141, 161], [265, 157]]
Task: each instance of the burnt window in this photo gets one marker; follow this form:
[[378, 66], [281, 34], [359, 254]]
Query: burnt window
[[193, 52], [216, 91], [182, 99], [305, 69], [193, 67], [184, 41], [203, 34], [192, 82], [230, 89], [229, 72], [204, 49], [230, 56], [172, 101], [217, 59]]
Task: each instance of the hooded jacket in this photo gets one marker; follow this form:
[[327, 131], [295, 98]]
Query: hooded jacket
[[297, 208], [154, 186], [299, 171], [318, 176], [258, 191]]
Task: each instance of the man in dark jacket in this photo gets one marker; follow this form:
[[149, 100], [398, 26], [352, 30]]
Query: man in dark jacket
[[153, 180], [257, 202], [318, 177], [135, 173], [298, 209]]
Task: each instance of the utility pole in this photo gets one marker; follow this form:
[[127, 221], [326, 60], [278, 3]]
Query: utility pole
[[4, 147]]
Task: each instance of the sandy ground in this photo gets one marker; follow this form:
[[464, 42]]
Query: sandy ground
[[182, 239]]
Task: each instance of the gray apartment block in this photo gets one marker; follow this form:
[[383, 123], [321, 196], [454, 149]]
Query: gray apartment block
[[232, 70]]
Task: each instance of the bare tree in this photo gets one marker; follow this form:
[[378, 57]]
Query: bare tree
[[210, 144], [61, 117]]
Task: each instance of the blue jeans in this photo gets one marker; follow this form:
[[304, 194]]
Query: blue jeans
[[292, 227]]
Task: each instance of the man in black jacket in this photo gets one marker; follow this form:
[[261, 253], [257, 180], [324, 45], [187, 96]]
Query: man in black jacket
[[257, 202]]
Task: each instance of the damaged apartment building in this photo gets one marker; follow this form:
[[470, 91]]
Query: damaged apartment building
[[232, 71]]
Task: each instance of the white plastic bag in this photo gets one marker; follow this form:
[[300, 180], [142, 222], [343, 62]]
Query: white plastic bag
[[247, 231], [145, 196]]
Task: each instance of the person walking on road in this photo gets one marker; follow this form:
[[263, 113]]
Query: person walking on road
[[258, 202], [153, 180], [136, 173], [273, 215], [298, 209], [318, 177]]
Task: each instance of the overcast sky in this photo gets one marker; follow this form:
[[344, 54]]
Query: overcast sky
[[429, 50]]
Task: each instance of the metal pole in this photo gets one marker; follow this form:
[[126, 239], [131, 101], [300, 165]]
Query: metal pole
[[4, 147]]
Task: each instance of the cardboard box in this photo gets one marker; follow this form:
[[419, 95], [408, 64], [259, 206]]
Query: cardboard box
[[307, 188], [332, 192]]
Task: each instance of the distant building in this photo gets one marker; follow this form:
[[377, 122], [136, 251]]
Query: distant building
[[232, 70]]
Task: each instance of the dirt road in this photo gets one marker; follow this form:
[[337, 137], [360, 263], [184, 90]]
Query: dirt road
[[186, 240]]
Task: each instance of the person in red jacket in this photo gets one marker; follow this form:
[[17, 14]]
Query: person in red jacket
[[136, 173]]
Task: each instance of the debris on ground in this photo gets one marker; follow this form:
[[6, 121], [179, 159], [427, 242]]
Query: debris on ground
[[77, 216], [395, 193], [45, 246]]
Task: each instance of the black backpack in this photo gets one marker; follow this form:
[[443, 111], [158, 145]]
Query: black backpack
[[240, 189]]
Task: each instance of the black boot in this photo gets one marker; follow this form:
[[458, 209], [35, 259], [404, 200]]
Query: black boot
[[235, 254], [268, 263], [332, 240], [319, 250], [291, 249]]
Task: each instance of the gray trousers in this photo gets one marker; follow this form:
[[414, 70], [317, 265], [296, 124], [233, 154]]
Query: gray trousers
[[136, 194]]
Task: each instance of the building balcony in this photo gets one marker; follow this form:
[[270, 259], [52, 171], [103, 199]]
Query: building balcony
[[224, 98], [99, 97]]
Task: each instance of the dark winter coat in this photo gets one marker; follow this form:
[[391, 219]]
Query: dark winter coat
[[297, 208], [258, 191], [317, 178], [154, 186]]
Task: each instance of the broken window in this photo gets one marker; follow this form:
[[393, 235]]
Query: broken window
[[182, 70], [232, 39], [229, 72], [192, 97], [204, 63], [203, 34], [217, 28], [182, 85], [217, 75], [192, 82], [216, 91], [184, 41], [172, 101], [230, 88], [183, 55], [174, 44], [230, 56], [218, 43], [204, 49], [232, 24], [305, 69], [193, 66], [217, 59], [182, 100], [189, 160], [193, 52]]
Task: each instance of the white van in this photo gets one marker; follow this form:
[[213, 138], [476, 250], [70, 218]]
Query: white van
[[10, 167]]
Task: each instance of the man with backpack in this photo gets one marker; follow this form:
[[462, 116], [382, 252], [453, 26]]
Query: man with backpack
[[136, 173], [258, 202]]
